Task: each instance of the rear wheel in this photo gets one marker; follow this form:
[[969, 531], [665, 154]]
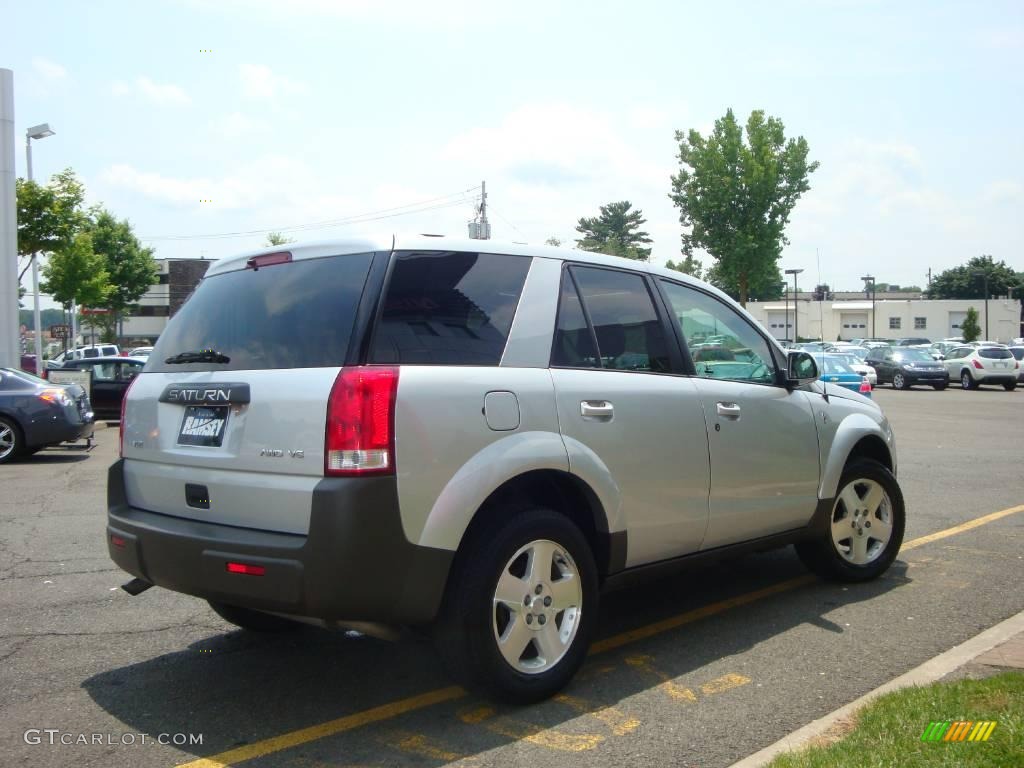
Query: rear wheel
[[865, 529], [255, 621], [520, 608], [899, 381], [11, 441], [1010, 386], [967, 381]]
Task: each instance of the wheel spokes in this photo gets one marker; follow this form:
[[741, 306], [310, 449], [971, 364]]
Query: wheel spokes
[[514, 639], [565, 593], [549, 644], [873, 498], [542, 553], [859, 549], [511, 591]]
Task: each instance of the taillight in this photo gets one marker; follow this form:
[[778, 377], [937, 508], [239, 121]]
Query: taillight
[[245, 569], [977, 364], [865, 386], [120, 425], [360, 437]]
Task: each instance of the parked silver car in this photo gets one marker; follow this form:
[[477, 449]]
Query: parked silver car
[[478, 437]]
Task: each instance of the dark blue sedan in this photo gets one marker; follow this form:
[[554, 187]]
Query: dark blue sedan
[[35, 414]]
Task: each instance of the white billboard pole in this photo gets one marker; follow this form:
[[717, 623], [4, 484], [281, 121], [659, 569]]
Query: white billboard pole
[[9, 348]]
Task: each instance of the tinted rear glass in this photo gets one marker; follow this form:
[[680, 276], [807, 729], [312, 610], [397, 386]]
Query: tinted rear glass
[[294, 315], [1018, 353], [448, 308], [994, 353]]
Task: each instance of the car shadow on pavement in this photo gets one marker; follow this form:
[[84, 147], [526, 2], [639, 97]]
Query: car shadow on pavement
[[54, 456], [237, 688]]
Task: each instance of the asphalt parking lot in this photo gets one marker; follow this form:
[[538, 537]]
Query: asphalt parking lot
[[699, 670]]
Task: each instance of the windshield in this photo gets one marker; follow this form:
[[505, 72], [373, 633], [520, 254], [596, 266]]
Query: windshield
[[913, 356], [835, 364], [24, 376]]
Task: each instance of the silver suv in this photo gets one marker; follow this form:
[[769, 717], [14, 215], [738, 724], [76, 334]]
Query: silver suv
[[478, 438]]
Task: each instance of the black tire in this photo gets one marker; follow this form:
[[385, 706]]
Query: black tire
[[900, 381], [1010, 386], [254, 621], [12, 442], [967, 381], [464, 633], [939, 387], [821, 555]]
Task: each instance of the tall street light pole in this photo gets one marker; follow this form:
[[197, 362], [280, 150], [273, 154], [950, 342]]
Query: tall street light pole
[[868, 278], [37, 132], [796, 305]]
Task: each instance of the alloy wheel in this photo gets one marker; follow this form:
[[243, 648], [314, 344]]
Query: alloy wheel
[[8, 440], [538, 602], [862, 521]]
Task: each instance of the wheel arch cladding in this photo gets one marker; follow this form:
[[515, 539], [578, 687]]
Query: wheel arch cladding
[[565, 494], [857, 437]]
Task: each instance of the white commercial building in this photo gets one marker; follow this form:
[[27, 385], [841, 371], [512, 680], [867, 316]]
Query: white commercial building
[[176, 279], [887, 318]]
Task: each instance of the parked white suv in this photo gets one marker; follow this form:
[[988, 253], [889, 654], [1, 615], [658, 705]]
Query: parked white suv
[[479, 437], [990, 363]]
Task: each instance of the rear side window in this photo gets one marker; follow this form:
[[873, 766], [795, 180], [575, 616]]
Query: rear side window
[[573, 345], [630, 337], [994, 353], [448, 308], [1018, 353], [294, 315]]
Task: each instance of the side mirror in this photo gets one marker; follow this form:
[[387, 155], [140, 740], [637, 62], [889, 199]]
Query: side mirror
[[801, 369]]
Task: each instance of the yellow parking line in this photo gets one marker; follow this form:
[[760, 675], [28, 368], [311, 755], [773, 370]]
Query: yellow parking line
[[403, 706], [419, 744], [519, 730], [619, 722], [724, 683], [667, 684]]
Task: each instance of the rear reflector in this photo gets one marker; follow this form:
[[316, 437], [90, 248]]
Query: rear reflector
[[360, 437], [269, 259], [118, 542], [246, 569]]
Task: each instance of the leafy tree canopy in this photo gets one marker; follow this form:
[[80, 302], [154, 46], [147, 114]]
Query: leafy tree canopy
[[130, 267], [688, 265], [77, 273], [615, 232], [735, 197], [968, 282], [49, 216], [276, 238], [969, 328]]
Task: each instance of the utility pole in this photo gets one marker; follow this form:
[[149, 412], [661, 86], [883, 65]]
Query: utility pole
[[8, 227], [479, 227], [796, 305]]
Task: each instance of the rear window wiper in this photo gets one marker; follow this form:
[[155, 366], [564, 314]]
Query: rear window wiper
[[198, 356]]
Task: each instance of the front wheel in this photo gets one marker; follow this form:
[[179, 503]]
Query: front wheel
[[864, 531], [939, 387], [520, 608], [10, 440], [967, 381], [899, 381], [1010, 386]]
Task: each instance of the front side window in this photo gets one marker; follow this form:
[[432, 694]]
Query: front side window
[[722, 344], [104, 371], [449, 308], [630, 336]]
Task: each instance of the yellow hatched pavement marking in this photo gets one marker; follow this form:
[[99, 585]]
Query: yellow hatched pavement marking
[[619, 722], [519, 730], [723, 683], [668, 685], [419, 744]]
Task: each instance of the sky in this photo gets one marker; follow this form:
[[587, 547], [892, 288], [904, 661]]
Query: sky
[[194, 118]]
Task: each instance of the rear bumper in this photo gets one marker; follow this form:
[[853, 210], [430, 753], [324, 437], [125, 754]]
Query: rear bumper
[[53, 431], [355, 563], [1009, 377]]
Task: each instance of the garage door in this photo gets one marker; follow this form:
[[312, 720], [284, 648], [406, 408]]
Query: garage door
[[853, 325], [777, 324]]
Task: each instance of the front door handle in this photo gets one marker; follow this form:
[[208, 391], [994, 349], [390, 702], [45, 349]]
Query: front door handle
[[728, 410], [598, 409]]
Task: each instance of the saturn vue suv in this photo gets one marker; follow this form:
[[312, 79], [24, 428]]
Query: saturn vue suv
[[477, 439]]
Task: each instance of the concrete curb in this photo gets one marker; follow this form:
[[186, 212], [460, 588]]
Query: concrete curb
[[927, 673]]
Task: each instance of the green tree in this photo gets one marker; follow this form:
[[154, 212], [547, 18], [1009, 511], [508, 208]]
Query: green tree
[[49, 216], [968, 280], [131, 268], [77, 273], [555, 241], [969, 328], [736, 198], [616, 232], [276, 238], [688, 265]]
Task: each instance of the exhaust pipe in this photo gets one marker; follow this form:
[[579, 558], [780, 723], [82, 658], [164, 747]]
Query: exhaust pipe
[[136, 587]]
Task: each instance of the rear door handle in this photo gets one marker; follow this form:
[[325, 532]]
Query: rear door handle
[[598, 409], [728, 410]]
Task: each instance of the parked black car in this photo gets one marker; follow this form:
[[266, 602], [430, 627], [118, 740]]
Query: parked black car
[[904, 367], [111, 377], [35, 414]]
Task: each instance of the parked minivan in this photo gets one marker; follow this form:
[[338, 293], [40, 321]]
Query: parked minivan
[[478, 437]]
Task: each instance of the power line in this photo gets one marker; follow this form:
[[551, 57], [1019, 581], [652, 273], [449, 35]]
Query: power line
[[433, 204], [517, 229]]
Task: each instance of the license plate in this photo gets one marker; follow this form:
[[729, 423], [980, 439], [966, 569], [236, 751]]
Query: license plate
[[203, 425]]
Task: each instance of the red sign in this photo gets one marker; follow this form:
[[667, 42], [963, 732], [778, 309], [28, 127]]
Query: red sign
[[95, 311]]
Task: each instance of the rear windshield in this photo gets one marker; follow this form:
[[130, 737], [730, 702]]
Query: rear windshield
[[294, 315], [449, 308], [994, 353]]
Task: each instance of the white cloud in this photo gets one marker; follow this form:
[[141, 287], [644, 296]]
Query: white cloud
[[260, 82], [164, 94], [235, 125], [48, 69]]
